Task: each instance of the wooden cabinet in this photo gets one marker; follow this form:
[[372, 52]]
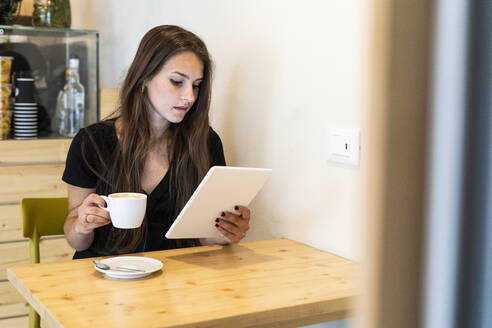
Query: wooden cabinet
[[31, 168]]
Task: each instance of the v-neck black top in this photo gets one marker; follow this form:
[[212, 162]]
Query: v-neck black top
[[159, 213]]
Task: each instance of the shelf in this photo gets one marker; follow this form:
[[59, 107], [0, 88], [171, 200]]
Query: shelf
[[44, 52], [57, 31]]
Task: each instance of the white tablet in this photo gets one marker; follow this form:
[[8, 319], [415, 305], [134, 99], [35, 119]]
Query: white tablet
[[222, 188]]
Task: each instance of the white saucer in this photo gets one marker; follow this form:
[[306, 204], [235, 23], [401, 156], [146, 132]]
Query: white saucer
[[147, 264]]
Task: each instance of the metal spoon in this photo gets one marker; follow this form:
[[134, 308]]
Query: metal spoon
[[104, 266]]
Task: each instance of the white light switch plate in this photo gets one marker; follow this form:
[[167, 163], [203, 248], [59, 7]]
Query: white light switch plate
[[343, 146]]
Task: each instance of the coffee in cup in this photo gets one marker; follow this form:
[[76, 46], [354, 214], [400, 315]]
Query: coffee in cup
[[127, 195], [127, 209]]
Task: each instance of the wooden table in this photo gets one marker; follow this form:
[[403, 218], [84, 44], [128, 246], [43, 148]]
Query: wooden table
[[269, 283]]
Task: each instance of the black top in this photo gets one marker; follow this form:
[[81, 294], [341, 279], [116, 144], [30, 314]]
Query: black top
[[159, 211]]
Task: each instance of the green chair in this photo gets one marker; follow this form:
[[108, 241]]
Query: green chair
[[41, 217]]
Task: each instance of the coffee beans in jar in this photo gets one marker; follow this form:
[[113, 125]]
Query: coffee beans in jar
[[5, 90], [5, 67], [5, 119]]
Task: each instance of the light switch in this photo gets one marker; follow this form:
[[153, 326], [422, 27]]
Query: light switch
[[343, 146]]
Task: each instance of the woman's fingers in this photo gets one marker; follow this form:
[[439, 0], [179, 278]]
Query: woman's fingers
[[94, 199], [96, 211], [234, 225], [90, 215], [231, 227], [87, 223], [243, 211], [97, 220], [232, 236], [233, 219]]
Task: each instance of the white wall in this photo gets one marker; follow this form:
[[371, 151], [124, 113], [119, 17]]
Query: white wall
[[285, 71]]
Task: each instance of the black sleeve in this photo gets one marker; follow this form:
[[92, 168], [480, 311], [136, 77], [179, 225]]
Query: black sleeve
[[216, 150], [77, 171]]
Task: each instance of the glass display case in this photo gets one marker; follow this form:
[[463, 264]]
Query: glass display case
[[43, 54]]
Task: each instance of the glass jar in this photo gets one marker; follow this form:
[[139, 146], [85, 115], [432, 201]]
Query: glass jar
[[52, 13]]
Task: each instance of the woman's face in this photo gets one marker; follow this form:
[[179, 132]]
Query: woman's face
[[175, 88]]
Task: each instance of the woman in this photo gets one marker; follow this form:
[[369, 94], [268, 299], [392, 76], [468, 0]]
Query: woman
[[160, 144]]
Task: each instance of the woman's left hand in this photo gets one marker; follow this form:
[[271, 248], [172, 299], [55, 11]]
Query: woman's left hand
[[234, 225]]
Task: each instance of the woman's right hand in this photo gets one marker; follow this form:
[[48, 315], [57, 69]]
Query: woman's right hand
[[90, 215]]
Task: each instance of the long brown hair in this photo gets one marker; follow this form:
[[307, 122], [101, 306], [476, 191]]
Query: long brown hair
[[187, 141]]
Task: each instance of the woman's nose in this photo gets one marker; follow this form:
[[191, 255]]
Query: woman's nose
[[188, 94]]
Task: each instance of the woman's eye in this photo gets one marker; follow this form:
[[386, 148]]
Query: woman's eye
[[176, 83], [196, 86]]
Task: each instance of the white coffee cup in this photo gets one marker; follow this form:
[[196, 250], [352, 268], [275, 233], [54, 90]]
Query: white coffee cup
[[127, 209]]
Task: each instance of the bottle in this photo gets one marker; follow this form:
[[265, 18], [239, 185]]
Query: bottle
[[70, 104], [51, 13]]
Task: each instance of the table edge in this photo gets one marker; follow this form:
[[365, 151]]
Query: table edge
[[32, 300]]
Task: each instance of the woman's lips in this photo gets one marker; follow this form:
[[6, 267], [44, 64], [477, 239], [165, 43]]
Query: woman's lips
[[181, 109]]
